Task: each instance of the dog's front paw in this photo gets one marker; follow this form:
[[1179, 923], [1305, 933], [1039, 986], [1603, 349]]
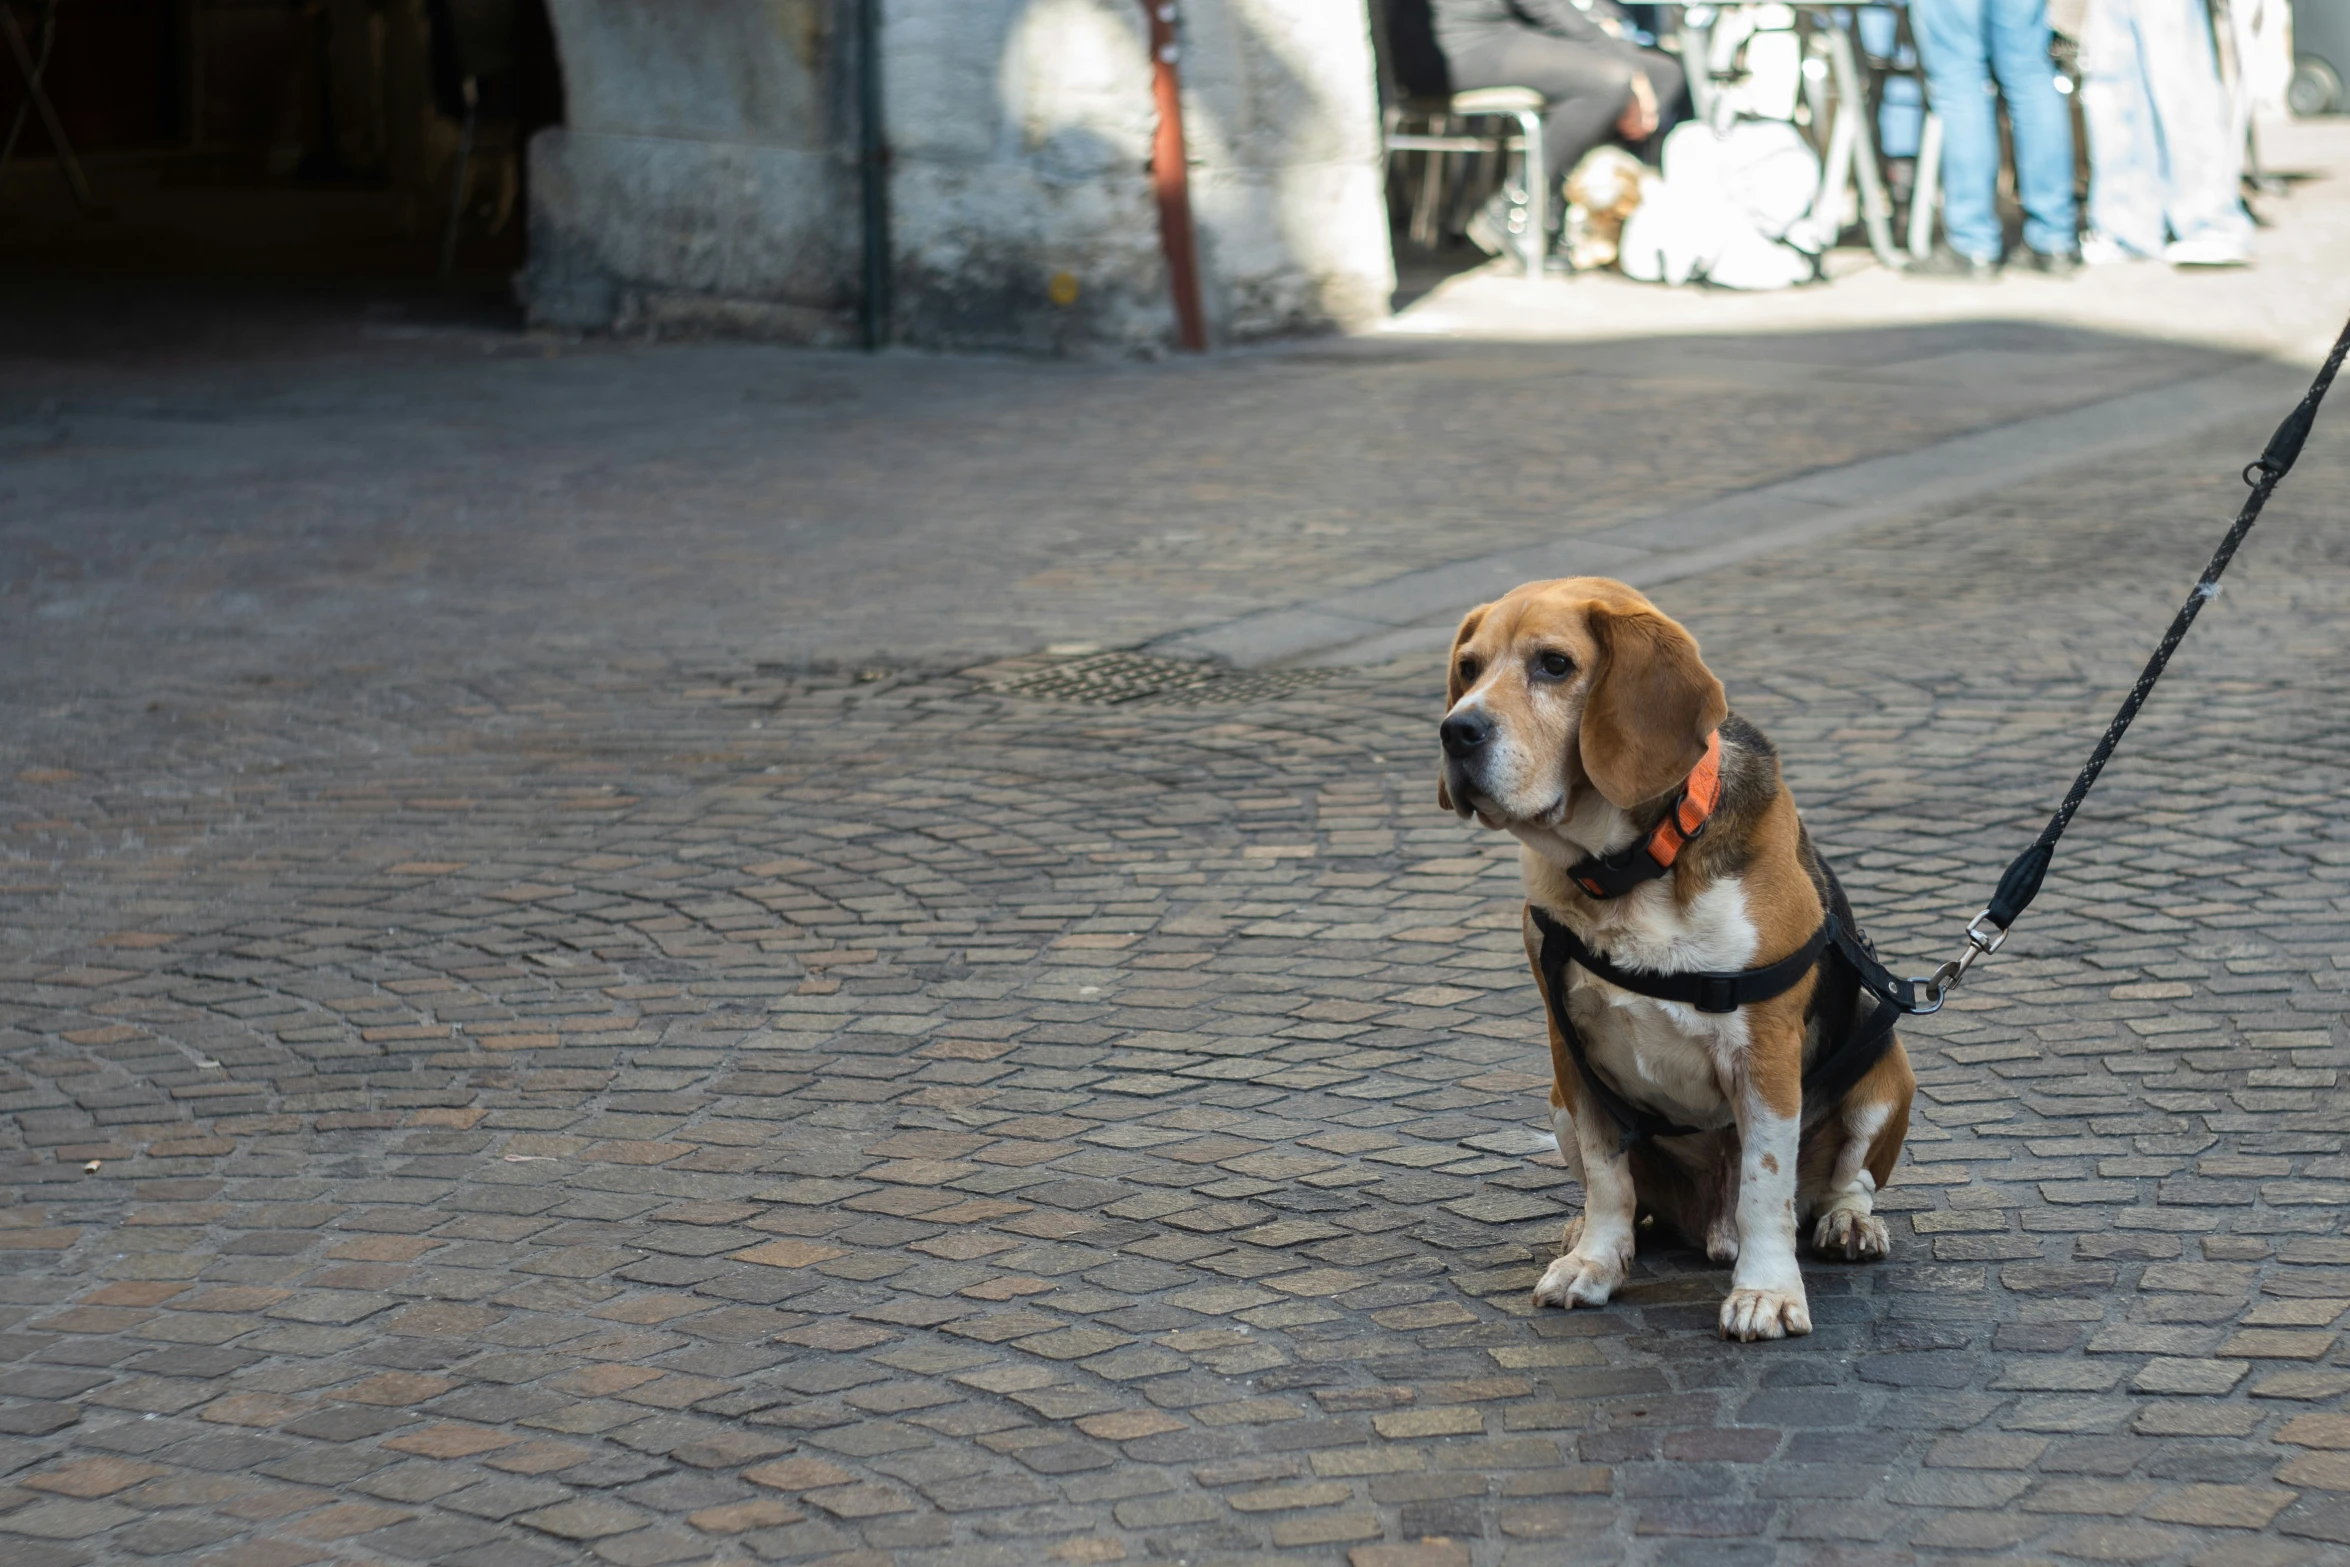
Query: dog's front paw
[[1751, 1314], [1580, 1279], [1854, 1236]]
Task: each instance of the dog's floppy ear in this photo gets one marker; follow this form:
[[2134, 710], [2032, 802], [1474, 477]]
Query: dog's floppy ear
[[1454, 685], [1652, 704]]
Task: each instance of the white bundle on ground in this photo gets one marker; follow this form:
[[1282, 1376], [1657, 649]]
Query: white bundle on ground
[[1728, 210]]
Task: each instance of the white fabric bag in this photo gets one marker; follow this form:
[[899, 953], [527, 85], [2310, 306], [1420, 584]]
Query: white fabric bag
[[1728, 209]]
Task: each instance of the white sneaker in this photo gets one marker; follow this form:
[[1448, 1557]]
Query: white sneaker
[[2209, 250], [2103, 250]]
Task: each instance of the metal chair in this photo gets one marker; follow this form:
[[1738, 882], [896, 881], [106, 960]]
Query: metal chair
[[1519, 106], [1425, 116], [32, 65]]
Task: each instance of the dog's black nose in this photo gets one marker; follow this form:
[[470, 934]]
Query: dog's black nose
[[1465, 732]]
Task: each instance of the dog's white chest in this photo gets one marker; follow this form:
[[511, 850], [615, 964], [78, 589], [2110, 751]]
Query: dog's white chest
[[1670, 1058]]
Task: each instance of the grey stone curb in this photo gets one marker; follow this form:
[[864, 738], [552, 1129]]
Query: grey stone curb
[[1415, 613]]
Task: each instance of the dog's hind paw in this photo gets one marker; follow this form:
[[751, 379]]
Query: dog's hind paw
[[1852, 1235], [1721, 1241]]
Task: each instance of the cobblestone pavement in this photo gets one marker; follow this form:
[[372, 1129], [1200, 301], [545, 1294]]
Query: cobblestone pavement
[[611, 1101], [735, 502]]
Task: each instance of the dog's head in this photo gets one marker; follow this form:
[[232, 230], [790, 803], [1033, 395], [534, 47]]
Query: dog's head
[[1608, 183], [1563, 686]]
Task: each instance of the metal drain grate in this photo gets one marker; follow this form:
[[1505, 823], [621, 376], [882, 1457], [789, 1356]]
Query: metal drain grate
[[1108, 679]]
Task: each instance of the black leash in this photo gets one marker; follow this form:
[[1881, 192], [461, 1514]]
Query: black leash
[[2021, 884]]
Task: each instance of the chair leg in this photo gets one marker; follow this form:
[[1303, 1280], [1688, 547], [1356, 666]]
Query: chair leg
[[1926, 188], [1696, 64], [1428, 193], [1537, 241], [37, 98], [457, 181], [1852, 105], [1826, 219], [1429, 205], [1416, 205], [1481, 181]]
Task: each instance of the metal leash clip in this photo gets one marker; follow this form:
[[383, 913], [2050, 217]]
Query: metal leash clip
[[1982, 939]]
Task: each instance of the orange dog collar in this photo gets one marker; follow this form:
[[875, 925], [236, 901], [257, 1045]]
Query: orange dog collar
[[1682, 826]]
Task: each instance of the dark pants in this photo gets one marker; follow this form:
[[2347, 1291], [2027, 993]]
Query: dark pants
[[1587, 85]]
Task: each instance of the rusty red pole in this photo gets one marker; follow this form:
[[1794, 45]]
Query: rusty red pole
[[1170, 178]]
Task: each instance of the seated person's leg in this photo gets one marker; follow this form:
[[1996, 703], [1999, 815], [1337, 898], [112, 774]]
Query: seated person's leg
[[1671, 85], [1587, 88]]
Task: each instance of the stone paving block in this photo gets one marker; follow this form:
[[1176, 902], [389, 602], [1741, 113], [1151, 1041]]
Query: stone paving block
[[1425, 1553], [2317, 1518], [2221, 1506]]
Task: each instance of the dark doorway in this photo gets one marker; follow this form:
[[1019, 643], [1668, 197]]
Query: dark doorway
[[270, 147]]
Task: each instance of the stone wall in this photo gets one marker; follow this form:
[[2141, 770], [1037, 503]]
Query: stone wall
[[1288, 178], [698, 182], [707, 180]]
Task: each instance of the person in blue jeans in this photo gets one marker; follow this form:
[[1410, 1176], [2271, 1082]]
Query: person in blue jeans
[[2168, 159], [1965, 44]]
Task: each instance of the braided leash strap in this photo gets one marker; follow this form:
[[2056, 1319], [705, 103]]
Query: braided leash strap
[[2021, 884]]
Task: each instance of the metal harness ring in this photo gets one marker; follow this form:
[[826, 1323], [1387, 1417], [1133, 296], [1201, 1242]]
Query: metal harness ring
[[1982, 939]]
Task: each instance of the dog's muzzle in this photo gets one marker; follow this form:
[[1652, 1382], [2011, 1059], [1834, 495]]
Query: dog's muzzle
[[1465, 736]]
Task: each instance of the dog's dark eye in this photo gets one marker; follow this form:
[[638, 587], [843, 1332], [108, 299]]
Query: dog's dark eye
[[1468, 671], [1556, 665]]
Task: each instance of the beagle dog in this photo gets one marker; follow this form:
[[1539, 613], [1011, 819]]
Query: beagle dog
[[1581, 720]]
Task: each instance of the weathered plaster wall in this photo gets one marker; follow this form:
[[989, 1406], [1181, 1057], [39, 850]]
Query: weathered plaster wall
[[1288, 182], [1020, 131], [706, 180], [699, 179]]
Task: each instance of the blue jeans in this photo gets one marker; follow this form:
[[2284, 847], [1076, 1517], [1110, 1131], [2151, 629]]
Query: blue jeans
[[1966, 43], [2159, 129]]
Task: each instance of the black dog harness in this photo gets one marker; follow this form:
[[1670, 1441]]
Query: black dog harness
[[1848, 965]]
